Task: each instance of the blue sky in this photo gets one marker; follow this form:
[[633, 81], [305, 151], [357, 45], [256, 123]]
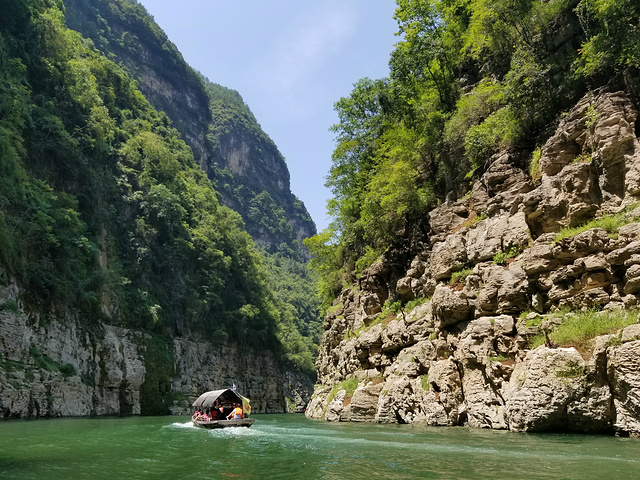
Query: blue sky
[[291, 60]]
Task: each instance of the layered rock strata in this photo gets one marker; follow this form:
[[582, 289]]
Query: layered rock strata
[[52, 366], [464, 356]]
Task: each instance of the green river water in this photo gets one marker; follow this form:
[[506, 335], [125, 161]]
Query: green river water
[[292, 447]]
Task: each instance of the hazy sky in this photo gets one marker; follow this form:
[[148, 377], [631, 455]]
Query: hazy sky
[[291, 60]]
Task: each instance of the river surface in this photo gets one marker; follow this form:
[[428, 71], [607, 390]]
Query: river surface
[[292, 447]]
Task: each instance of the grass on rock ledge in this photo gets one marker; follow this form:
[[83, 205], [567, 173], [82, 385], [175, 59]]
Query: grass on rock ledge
[[390, 311], [610, 223], [579, 329]]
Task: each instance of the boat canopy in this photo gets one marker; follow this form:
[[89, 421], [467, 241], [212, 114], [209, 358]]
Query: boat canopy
[[225, 397]]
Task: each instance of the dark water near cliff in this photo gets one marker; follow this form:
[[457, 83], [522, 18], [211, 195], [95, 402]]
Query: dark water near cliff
[[292, 447]]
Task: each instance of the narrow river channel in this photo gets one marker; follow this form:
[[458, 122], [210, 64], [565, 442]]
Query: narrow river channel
[[292, 447]]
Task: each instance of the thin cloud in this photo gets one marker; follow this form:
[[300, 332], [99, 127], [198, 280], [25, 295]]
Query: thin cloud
[[305, 47]]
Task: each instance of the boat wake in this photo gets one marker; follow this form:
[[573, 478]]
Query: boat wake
[[219, 432], [188, 425]]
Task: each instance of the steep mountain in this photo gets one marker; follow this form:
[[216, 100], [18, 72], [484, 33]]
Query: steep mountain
[[252, 175], [482, 269], [244, 164], [125, 285], [225, 137]]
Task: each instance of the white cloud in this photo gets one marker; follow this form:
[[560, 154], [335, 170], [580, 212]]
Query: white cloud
[[304, 48]]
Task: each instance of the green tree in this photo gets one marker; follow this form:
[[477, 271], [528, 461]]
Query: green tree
[[468, 79], [427, 54], [613, 36]]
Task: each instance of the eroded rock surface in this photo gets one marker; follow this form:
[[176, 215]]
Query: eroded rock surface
[[463, 356], [54, 368]]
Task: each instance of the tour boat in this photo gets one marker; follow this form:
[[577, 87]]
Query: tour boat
[[222, 398]]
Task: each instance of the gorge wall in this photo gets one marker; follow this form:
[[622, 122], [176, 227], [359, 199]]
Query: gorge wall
[[58, 367], [126, 286], [466, 353]]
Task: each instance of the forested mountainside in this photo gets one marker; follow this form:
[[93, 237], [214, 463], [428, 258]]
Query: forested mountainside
[[244, 164], [226, 139], [482, 266], [125, 285]]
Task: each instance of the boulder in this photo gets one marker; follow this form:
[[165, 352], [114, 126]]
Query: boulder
[[593, 263], [600, 127], [504, 184], [513, 292], [404, 289], [630, 231], [336, 407], [503, 290], [404, 400], [364, 403], [372, 338], [612, 138], [371, 304], [497, 234], [396, 336], [542, 388], [445, 387], [476, 341], [589, 297], [632, 280], [630, 333], [483, 402], [621, 255], [623, 371], [447, 257], [632, 177], [565, 199], [450, 307], [415, 360], [581, 245], [633, 260], [316, 407], [447, 217], [567, 142], [539, 258]]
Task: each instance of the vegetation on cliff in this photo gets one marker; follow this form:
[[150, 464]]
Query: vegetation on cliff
[[105, 213], [212, 119], [264, 210], [468, 79]]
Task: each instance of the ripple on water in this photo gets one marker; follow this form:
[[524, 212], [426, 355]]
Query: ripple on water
[[215, 432]]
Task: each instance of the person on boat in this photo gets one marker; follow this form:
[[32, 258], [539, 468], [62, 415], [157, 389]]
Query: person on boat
[[236, 413]]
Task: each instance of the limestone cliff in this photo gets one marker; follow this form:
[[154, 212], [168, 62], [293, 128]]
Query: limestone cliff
[[126, 287], [53, 366], [487, 279]]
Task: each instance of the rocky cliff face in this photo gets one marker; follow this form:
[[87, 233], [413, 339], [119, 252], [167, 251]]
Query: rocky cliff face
[[259, 169], [120, 31], [52, 366], [463, 356]]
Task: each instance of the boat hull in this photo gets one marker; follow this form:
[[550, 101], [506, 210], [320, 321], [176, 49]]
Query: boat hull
[[243, 422]]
